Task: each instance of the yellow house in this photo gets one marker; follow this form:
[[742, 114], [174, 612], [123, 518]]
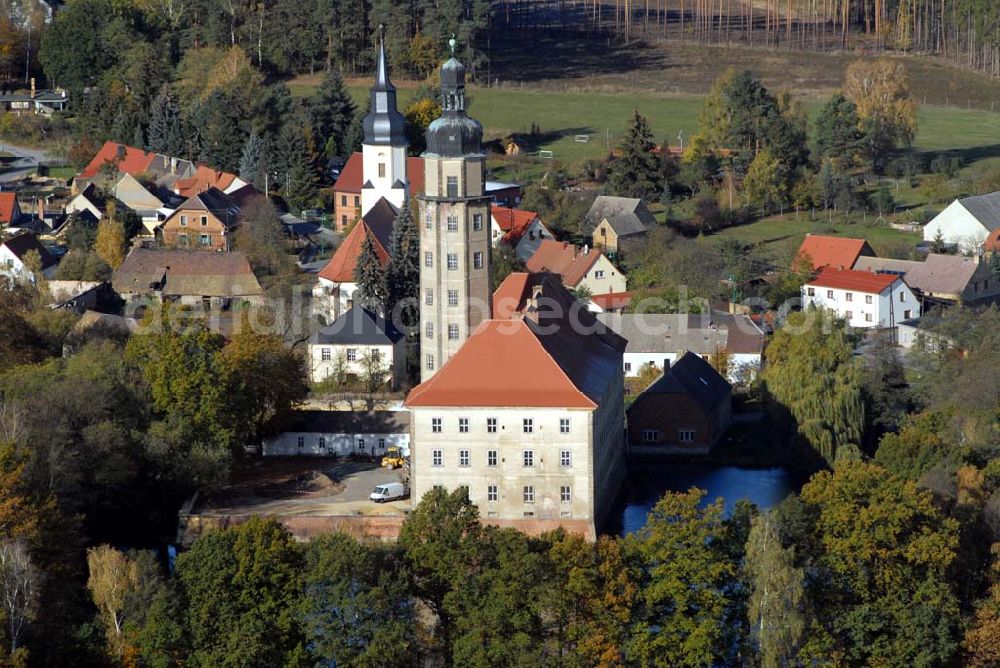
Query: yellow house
[[617, 220]]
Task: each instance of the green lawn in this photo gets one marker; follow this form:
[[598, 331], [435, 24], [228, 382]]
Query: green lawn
[[972, 134]]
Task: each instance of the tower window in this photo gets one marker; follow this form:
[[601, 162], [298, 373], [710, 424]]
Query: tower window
[[452, 261], [452, 223], [477, 260], [428, 259], [429, 329], [453, 332], [381, 170], [453, 298], [453, 186], [477, 221], [429, 297], [430, 362]]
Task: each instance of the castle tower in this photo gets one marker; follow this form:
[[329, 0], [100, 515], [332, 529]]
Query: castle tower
[[384, 147], [455, 292]]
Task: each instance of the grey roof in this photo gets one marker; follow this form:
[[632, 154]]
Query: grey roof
[[358, 326], [380, 220], [985, 208], [384, 125], [704, 334], [22, 244], [626, 215], [348, 422], [937, 274], [693, 376], [178, 273]]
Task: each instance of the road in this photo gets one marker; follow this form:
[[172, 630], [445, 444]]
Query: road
[[26, 164]]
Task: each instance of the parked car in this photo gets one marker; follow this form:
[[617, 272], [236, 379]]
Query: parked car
[[389, 491]]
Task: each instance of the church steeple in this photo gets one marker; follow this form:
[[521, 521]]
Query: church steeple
[[384, 146], [384, 125]]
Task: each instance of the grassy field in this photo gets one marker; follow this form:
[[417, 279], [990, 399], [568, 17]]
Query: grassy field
[[972, 134]]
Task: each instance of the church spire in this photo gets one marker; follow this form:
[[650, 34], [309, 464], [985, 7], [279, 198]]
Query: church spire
[[454, 134], [384, 125]]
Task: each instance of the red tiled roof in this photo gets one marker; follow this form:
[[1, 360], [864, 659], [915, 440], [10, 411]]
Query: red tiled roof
[[340, 268], [564, 259], [204, 178], [352, 178], [8, 202], [513, 222], [613, 300], [509, 296], [837, 252], [851, 279], [520, 369], [134, 161]]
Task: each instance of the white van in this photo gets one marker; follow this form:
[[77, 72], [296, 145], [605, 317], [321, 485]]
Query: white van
[[389, 491]]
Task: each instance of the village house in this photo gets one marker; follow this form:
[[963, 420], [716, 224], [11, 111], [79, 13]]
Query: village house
[[137, 198], [966, 223], [503, 194], [522, 231], [618, 222], [334, 291], [836, 252], [862, 298], [658, 338], [88, 199], [189, 277], [587, 268], [688, 408], [941, 280], [341, 433], [204, 221], [43, 101], [355, 345], [15, 258], [10, 209]]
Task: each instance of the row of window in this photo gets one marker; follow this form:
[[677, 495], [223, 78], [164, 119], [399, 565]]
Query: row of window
[[493, 458], [452, 222], [477, 260], [849, 315], [204, 221], [203, 240], [343, 200], [360, 443], [527, 493], [849, 296], [452, 331], [527, 425], [326, 354], [429, 297], [653, 435]]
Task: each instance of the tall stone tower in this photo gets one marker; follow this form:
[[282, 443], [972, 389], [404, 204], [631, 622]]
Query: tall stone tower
[[455, 293], [384, 147]]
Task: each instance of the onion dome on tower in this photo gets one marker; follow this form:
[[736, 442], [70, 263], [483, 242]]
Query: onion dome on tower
[[454, 134]]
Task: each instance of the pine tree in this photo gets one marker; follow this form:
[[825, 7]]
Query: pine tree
[[402, 275], [370, 276], [164, 133], [300, 187], [356, 133], [636, 171], [250, 160], [331, 113]]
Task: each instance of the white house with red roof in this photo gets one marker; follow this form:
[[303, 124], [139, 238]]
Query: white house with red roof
[[862, 298], [521, 230], [579, 267], [528, 415]]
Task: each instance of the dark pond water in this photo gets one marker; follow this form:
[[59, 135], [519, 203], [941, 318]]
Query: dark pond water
[[648, 482]]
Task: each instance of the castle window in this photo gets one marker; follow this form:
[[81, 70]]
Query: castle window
[[452, 187], [452, 261], [452, 223], [381, 170], [453, 298], [477, 260]]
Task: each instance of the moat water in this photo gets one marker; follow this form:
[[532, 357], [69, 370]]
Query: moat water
[[648, 482]]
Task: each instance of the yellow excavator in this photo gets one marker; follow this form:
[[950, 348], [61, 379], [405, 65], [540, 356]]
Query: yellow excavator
[[393, 458]]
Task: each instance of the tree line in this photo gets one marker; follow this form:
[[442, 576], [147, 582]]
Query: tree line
[[964, 32]]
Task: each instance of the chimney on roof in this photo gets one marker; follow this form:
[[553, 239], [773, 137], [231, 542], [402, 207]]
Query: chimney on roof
[[666, 364], [120, 150], [586, 249]]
